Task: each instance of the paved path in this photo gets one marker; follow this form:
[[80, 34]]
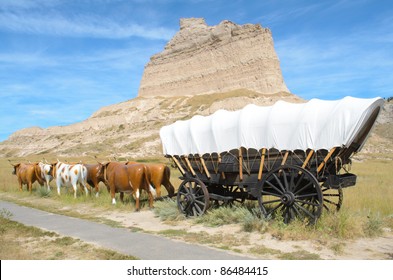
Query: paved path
[[140, 245]]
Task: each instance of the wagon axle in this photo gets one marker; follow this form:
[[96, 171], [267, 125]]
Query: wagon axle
[[288, 199]]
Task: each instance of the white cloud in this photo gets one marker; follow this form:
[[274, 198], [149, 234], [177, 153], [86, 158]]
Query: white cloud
[[357, 64], [78, 26]]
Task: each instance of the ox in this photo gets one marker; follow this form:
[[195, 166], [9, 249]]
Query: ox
[[92, 178], [46, 173], [27, 174], [159, 174], [68, 175], [132, 178]]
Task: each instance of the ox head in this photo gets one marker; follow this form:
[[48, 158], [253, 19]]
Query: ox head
[[53, 168], [16, 167], [101, 171]]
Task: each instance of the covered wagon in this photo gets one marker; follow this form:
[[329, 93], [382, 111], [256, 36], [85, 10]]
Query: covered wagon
[[291, 158]]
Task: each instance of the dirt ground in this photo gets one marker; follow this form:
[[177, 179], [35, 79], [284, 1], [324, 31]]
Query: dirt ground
[[230, 237], [360, 249]]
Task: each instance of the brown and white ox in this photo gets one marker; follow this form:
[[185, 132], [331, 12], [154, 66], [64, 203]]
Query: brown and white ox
[[27, 174], [159, 174], [92, 176], [69, 175], [132, 178], [46, 173]]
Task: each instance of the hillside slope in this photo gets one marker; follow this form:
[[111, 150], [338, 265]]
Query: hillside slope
[[128, 129], [131, 128]]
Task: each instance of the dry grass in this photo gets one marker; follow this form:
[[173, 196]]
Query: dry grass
[[374, 189], [20, 242]]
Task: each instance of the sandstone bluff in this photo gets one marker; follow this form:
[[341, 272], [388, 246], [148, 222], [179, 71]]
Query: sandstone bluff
[[202, 59]]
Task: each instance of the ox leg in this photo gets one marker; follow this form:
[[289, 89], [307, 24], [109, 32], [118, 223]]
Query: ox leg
[[151, 199], [156, 191], [122, 197], [97, 190], [75, 190], [137, 195], [113, 194], [30, 185], [85, 188], [20, 185], [157, 187]]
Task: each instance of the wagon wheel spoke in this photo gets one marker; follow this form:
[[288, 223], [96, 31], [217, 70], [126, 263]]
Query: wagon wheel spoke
[[279, 182], [286, 184], [286, 216], [300, 179], [298, 213], [303, 188], [274, 209], [270, 193], [310, 195], [274, 187], [332, 199], [307, 202], [292, 182], [271, 201], [311, 215]]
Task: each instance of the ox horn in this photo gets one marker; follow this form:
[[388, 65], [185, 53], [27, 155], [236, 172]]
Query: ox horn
[[95, 157]]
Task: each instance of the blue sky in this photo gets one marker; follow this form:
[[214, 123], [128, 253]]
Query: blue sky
[[62, 60]]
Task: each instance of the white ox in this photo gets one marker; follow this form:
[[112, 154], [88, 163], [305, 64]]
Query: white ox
[[46, 173], [69, 175]]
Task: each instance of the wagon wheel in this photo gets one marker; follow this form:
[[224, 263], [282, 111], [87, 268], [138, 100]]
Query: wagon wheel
[[293, 192], [332, 198], [238, 195], [236, 192], [192, 197]]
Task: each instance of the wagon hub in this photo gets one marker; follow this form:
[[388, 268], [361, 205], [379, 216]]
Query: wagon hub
[[190, 198], [288, 198]]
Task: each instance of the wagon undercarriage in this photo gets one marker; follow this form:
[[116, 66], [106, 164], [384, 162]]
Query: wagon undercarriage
[[283, 183]]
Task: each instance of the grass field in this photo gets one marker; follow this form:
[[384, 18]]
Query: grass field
[[366, 206]]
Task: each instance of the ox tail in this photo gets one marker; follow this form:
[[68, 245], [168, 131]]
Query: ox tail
[[146, 172], [38, 174], [168, 185], [84, 178]]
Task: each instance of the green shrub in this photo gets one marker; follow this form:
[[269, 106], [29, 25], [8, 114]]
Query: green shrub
[[167, 210], [43, 192]]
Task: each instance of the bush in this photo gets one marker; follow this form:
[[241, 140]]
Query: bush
[[373, 226], [167, 210], [43, 192]]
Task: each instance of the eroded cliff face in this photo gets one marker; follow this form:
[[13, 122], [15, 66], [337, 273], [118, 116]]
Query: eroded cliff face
[[128, 129], [202, 59]]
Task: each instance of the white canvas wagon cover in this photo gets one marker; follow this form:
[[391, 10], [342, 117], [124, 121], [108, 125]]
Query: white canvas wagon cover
[[316, 124]]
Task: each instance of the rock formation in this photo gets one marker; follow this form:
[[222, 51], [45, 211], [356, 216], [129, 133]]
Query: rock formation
[[203, 59], [129, 129]]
